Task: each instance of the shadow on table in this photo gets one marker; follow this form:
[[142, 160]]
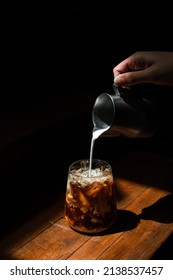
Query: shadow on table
[[126, 220], [161, 211]]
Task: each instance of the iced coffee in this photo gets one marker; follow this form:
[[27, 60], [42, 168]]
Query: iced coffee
[[90, 204]]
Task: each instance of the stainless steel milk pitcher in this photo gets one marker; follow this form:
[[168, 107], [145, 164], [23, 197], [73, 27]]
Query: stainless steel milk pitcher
[[118, 114]]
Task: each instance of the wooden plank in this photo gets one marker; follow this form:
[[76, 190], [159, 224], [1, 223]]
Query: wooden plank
[[28, 231], [143, 241], [144, 201], [129, 192], [139, 244], [56, 242], [112, 245], [159, 174]]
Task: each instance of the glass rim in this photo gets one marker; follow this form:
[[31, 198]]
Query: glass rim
[[103, 163]]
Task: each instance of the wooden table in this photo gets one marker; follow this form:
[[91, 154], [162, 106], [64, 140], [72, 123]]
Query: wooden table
[[144, 186]]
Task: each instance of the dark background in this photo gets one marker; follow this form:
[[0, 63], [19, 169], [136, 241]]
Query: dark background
[[48, 55], [62, 44]]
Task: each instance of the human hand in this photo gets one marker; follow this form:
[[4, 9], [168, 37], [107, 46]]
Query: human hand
[[145, 67]]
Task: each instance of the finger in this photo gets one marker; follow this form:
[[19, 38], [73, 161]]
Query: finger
[[132, 78], [121, 68]]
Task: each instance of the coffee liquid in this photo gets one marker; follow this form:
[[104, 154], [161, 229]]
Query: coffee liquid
[[90, 201]]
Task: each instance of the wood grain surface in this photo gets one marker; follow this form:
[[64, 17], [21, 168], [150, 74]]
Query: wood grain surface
[[144, 189]]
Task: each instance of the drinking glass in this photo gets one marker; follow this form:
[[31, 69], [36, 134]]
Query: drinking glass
[[90, 204]]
